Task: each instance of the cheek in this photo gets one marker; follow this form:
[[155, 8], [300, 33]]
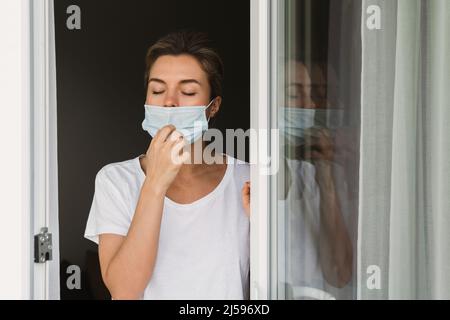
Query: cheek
[[189, 101], [155, 100], [291, 102], [197, 100]]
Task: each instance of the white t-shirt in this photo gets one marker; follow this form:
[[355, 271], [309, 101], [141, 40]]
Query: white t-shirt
[[204, 246]]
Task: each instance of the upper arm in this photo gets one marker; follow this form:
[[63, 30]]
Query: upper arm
[[110, 211], [109, 245]]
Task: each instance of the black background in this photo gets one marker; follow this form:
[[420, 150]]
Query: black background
[[101, 94]]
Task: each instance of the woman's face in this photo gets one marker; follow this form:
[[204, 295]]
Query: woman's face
[[298, 86], [178, 81]]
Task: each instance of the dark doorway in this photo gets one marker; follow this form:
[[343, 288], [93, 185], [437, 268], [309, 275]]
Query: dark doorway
[[100, 85]]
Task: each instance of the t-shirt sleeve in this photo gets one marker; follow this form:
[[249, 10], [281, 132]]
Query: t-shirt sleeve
[[108, 213]]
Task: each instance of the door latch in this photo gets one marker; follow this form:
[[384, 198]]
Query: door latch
[[43, 246]]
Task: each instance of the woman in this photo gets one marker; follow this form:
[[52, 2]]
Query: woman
[[167, 227], [319, 250]]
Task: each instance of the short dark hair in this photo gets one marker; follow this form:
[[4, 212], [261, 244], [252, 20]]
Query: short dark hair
[[195, 44]]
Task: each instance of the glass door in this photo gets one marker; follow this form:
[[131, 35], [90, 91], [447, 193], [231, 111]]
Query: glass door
[[316, 106]]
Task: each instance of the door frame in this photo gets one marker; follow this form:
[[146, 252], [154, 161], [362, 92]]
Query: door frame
[[44, 159], [262, 119]]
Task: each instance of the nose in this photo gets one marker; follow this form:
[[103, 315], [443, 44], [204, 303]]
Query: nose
[[171, 100]]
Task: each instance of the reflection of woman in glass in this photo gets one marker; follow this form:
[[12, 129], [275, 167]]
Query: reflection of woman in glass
[[168, 227], [319, 245]]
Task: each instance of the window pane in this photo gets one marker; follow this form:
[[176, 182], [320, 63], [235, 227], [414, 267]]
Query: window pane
[[318, 111]]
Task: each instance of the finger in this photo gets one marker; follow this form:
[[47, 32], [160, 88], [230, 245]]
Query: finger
[[311, 147], [325, 136], [178, 146], [246, 189], [246, 198], [184, 157], [175, 136], [321, 141], [245, 195], [312, 155], [177, 153], [326, 133], [312, 132], [309, 134], [164, 133]]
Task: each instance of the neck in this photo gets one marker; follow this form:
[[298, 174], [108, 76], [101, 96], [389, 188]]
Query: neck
[[196, 162], [198, 159]]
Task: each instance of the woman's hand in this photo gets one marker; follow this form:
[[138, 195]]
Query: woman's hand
[[164, 158], [320, 151], [319, 145], [246, 198]]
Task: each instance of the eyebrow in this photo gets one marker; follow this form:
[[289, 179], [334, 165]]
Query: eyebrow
[[182, 81]]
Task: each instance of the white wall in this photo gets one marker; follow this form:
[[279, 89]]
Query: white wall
[[15, 253]]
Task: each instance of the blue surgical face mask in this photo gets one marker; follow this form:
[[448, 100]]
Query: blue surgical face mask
[[190, 121], [294, 122]]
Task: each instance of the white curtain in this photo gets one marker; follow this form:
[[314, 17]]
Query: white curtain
[[404, 206]]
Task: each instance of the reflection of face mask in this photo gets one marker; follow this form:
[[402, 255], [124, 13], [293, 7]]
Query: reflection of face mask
[[293, 122], [190, 121]]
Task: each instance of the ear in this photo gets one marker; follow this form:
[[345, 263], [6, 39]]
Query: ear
[[215, 107]]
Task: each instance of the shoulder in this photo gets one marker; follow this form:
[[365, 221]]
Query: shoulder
[[111, 209], [117, 172]]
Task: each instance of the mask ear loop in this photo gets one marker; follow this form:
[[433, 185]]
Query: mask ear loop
[[209, 105]]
